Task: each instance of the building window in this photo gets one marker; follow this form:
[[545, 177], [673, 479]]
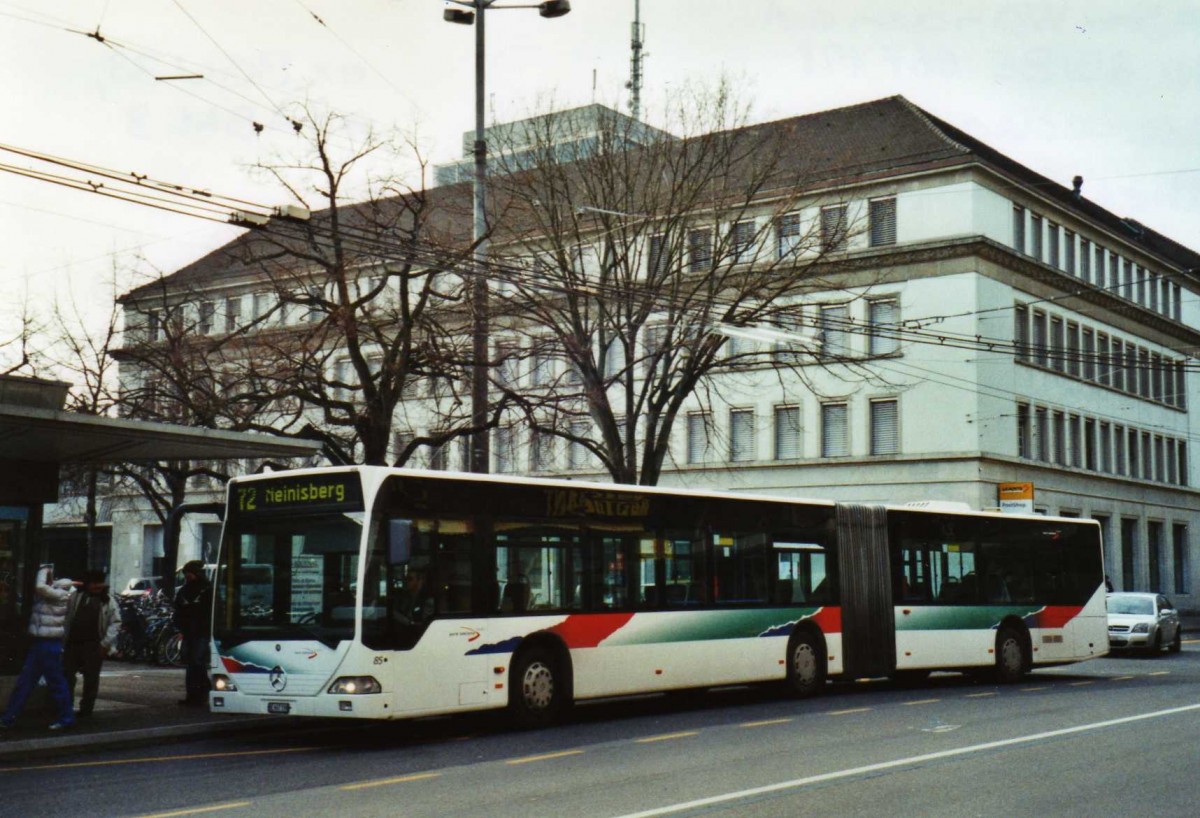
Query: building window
[[541, 364], [400, 444], [541, 451], [1085, 260], [1154, 543], [1021, 331], [578, 456], [1041, 430], [1089, 445], [1179, 545], [1024, 432], [1069, 252], [439, 454], [204, 323], [233, 313], [1041, 349], [1119, 449], [697, 437], [1056, 343], [787, 234], [262, 305], [1106, 447], [1134, 454], [883, 317], [833, 228], [1073, 349], [1060, 438], [502, 449], [835, 439], [659, 255], [741, 435], [700, 250], [1128, 545], [1035, 236], [1076, 432], [882, 216], [1054, 259], [787, 433], [1089, 355], [832, 330], [508, 355], [1019, 229], [885, 427], [741, 240]]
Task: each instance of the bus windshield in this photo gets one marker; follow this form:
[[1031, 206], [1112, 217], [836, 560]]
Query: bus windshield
[[288, 577]]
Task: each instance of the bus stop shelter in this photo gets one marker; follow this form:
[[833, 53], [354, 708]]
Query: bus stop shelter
[[37, 438]]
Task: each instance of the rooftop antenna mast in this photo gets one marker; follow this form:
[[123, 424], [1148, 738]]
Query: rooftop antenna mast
[[635, 61]]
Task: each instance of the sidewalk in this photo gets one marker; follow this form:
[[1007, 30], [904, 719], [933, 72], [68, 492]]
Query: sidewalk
[[137, 704]]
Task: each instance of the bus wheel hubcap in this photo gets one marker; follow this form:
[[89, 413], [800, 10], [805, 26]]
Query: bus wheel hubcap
[[538, 686], [804, 664], [1010, 654]]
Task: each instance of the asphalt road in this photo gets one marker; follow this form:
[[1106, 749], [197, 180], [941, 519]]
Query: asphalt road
[[1115, 736]]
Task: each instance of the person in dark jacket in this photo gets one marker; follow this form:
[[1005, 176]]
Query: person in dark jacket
[[91, 634], [193, 617]]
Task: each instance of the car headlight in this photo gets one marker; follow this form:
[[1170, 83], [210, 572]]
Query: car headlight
[[1141, 627], [355, 685], [222, 683]]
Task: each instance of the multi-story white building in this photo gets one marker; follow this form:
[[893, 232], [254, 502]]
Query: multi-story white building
[[980, 325]]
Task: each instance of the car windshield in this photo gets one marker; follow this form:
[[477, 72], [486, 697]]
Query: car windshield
[[288, 578], [1131, 605]]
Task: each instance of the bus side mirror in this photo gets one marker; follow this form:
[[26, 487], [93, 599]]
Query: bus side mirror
[[399, 541]]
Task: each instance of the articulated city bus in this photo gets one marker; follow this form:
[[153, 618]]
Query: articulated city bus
[[397, 593]]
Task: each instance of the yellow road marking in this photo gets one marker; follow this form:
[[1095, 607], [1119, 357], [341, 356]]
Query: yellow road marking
[[1080, 684], [921, 701], [1123, 678], [1033, 689], [1161, 673], [666, 737], [848, 712], [154, 759], [198, 810], [383, 782], [764, 723], [544, 757], [979, 695]]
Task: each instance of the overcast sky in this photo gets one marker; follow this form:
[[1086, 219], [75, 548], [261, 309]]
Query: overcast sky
[[1108, 90]]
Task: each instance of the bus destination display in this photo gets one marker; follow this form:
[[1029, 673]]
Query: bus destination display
[[317, 492]]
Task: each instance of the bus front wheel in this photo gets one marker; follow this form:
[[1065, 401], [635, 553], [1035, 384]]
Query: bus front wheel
[[537, 689], [1011, 662], [805, 665]]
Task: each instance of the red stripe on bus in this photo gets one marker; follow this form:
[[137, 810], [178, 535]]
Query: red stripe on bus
[[828, 619], [588, 631], [1055, 616]]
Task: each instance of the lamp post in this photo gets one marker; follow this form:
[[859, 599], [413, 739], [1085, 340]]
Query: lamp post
[[479, 461]]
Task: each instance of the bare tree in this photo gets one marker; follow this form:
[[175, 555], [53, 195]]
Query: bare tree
[[631, 256]]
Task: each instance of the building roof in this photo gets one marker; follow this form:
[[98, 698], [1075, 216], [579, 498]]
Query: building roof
[[871, 140]]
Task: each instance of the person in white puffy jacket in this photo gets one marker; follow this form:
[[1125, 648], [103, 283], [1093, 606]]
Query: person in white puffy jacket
[[47, 626]]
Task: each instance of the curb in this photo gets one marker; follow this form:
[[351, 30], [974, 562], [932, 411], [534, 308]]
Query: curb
[[24, 749]]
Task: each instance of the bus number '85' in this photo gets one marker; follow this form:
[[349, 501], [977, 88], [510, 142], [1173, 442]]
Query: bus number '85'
[[247, 499]]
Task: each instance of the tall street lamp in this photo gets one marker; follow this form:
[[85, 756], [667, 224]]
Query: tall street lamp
[[479, 287]]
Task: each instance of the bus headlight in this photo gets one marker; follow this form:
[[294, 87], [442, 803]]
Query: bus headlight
[[222, 683], [354, 685]]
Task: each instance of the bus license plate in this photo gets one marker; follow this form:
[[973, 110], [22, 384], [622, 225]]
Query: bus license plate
[[280, 708]]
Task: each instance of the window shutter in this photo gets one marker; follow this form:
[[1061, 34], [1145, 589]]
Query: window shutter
[[697, 428], [883, 222], [883, 316], [885, 437], [834, 439], [787, 432], [741, 435]]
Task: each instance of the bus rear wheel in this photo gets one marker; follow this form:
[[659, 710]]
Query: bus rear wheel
[[1011, 662], [537, 689], [805, 665]]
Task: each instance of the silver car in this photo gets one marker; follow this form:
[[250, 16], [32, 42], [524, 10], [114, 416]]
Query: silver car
[[1143, 621]]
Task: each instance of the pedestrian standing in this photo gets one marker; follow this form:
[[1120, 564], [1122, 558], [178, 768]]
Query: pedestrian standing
[[47, 627], [193, 617], [91, 634]]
